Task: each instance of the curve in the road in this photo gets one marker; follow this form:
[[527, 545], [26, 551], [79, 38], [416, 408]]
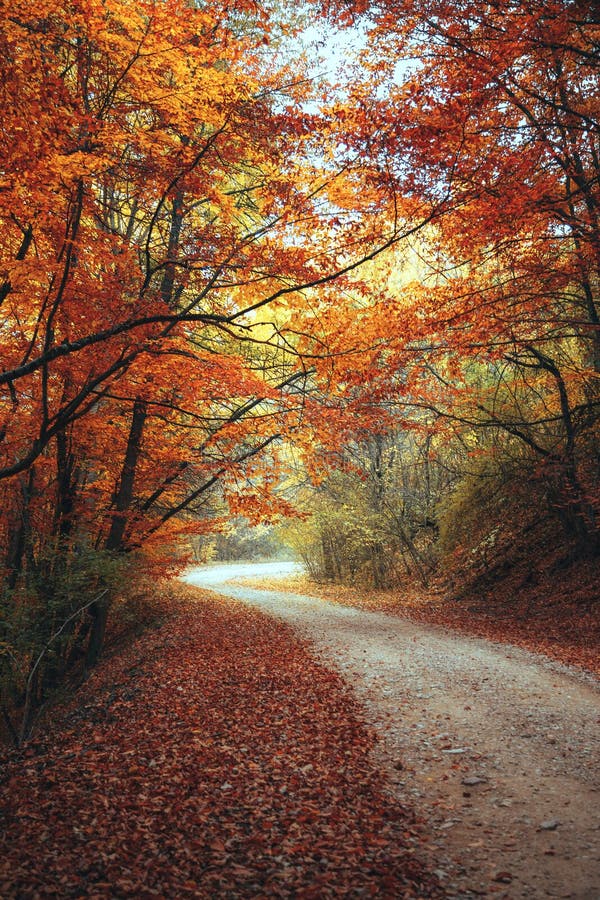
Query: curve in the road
[[498, 747]]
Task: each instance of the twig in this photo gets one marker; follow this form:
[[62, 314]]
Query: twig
[[25, 721]]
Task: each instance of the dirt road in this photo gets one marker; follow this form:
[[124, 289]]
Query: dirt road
[[497, 747]]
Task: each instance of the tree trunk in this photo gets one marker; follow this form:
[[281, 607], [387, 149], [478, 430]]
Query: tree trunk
[[20, 534], [115, 541], [66, 488], [99, 614], [124, 494], [168, 281]]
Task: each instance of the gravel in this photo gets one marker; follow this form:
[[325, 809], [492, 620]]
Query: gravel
[[496, 747]]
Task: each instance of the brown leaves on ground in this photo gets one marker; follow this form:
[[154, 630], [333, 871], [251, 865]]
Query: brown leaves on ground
[[557, 616], [213, 758]]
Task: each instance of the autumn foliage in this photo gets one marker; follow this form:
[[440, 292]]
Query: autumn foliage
[[358, 295], [218, 267], [157, 193], [488, 377]]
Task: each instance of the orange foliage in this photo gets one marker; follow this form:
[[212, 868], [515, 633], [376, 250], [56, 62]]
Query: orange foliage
[[487, 117]]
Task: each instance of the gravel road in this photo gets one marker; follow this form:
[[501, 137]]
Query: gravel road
[[496, 747]]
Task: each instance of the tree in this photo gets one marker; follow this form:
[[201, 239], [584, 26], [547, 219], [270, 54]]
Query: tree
[[173, 221], [372, 518], [493, 111]]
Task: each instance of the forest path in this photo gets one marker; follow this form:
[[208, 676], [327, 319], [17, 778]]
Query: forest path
[[498, 748]]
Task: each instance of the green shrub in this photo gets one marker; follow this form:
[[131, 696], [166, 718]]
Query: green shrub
[[44, 625]]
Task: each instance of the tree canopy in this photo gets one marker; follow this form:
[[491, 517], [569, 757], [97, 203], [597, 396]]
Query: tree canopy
[[217, 259]]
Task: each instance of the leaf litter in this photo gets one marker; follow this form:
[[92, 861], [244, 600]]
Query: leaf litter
[[213, 758]]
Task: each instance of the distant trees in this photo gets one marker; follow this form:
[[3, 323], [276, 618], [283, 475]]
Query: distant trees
[[372, 520]]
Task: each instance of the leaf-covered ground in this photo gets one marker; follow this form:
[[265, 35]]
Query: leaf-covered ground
[[213, 758], [560, 618]]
